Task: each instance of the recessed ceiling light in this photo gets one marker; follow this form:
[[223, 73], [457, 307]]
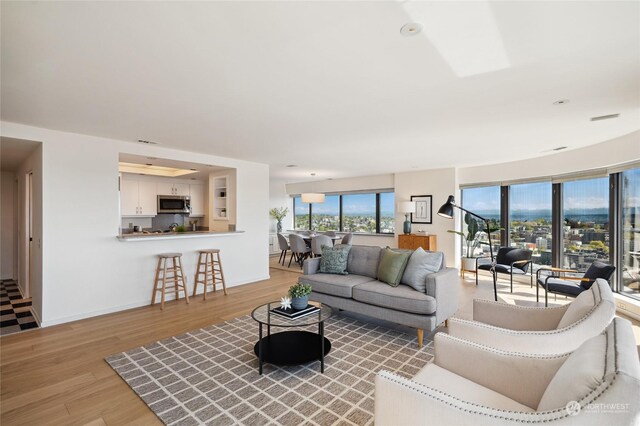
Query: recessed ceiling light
[[561, 102], [411, 29], [291, 165], [147, 142], [605, 117], [195, 170], [149, 164]]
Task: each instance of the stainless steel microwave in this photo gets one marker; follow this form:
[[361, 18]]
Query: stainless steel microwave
[[174, 204]]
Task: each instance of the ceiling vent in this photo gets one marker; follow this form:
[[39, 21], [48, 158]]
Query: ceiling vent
[[605, 117], [147, 142], [560, 148]]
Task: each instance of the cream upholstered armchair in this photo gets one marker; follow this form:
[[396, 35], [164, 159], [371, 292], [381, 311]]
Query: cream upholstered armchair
[[471, 384], [538, 330]]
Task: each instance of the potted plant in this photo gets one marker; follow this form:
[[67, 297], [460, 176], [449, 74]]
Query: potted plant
[[279, 213], [471, 239], [299, 294]]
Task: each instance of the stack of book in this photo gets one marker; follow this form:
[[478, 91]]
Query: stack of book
[[295, 313]]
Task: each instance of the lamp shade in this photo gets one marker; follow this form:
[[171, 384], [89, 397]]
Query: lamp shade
[[312, 197], [407, 207], [446, 210]]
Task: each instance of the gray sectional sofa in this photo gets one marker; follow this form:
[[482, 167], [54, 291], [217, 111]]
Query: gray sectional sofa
[[361, 292]]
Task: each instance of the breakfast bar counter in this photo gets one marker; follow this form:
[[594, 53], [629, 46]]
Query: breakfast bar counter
[[139, 236]]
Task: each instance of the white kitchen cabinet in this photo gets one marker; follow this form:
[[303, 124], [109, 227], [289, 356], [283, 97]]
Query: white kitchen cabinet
[[196, 192], [171, 188], [138, 198]]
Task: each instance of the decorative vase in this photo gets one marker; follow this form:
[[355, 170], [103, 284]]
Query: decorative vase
[[299, 302], [407, 224], [279, 227]]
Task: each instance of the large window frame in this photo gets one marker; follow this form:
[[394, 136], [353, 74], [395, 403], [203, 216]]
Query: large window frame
[[616, 201], [378, 212]]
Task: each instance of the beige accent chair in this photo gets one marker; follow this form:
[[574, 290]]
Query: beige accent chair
[[535, 329], [471, 384]]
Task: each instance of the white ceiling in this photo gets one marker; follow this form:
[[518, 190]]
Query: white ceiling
[[332, 87]]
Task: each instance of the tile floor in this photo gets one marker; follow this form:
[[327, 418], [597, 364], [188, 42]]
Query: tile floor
[[15, 312]]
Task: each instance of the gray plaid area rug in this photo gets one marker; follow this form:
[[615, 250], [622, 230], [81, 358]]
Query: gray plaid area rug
[[210, 376]]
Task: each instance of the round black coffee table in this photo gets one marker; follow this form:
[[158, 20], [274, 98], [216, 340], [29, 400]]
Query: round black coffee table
[[291, 347]]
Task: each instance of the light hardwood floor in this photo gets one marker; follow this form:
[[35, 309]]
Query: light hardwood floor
[[58, 375]]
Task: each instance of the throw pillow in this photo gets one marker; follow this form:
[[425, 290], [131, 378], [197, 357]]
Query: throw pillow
[[392, 266], [334, 259], [579, 308], [421, 263]]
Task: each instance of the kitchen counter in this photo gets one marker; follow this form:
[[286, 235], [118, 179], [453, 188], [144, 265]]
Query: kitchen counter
[[139, 236]]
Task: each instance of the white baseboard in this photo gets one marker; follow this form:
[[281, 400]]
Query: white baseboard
[[128, 306]]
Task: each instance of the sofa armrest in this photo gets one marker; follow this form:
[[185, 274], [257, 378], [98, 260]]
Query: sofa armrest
[[443, 286], [519, 376], [311, 266], [516, 317]]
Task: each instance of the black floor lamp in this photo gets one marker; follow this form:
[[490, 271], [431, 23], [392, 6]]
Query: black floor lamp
[[447, 211]]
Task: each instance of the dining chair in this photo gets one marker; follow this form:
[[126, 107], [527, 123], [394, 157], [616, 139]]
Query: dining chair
[[329, 233], [284, 247], [299, 249], [317, 242]]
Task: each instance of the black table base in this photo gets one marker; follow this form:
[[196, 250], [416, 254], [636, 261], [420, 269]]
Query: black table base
[[292, 348]]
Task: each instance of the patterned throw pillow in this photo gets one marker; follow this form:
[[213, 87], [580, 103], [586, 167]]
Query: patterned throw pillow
[[334, 259], [392, 266]]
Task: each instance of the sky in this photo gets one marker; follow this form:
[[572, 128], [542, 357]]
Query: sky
[[352, 204], [577, 195]]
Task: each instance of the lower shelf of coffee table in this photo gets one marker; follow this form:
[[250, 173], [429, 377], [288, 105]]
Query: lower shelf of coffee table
[[292, 348]]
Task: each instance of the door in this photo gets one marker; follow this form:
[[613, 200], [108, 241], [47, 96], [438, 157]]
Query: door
[[29, 233], [128, 197], [196, 192], [147, 198]]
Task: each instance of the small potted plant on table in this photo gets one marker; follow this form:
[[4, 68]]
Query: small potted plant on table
[[299, 294]]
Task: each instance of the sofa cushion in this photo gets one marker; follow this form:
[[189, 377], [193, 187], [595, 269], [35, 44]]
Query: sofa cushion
[[363, 260], [581, 306], [450, 383], [335, 285], [392, 265], [421, 263], [580, 374], [334, 259], [401, 298]]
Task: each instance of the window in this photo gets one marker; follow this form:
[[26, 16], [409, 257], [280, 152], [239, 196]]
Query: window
[[369, 213], [630, 239], [585, 213], [359, 213], [484, 202], [530, 220], [326, 216], [387, 213], [301, 213]]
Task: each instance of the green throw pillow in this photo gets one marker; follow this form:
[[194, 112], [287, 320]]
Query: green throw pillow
[[392, 266], [334, 259]]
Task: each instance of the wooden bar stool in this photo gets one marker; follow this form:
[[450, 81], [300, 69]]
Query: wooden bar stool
[[169, 269], [209, 271]]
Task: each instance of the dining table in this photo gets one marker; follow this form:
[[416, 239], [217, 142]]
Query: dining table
[[307, 238]]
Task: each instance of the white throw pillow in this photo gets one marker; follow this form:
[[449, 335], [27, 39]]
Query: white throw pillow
[[421, 263], [579, 307], [580, 374]]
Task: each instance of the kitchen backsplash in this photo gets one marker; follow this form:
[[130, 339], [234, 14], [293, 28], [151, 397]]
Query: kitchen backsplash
[[161, 222]]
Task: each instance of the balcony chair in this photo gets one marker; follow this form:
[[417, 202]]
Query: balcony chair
[[284, 247], [555, 281], [471, 384], [538, 330], [347, 238], [317, 242], [299, 249], [509, 260]]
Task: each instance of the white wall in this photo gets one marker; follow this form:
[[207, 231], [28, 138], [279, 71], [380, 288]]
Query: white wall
[[86, 270], [439, 183], [606, 154], [8, 229], [278, 198]]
